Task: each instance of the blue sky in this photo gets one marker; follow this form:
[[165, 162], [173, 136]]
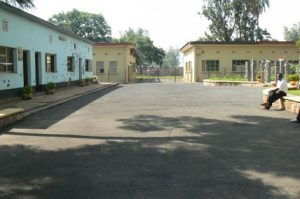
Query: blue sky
[[169, 22]]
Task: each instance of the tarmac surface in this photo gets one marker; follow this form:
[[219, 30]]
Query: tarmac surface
[[153, 140]]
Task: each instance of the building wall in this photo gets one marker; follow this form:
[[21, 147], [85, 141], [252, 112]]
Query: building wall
[[24, 35], [119, 54], [227, 53], [189, 65]]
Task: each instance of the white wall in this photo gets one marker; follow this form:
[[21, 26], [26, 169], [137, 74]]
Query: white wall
[[33, 37]]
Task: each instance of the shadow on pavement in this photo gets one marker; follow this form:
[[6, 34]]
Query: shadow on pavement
[[53, 115], [246, 159]]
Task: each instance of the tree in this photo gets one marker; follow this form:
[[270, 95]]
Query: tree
[[147, 53], [257, 7], [88, 25], [232, 20], [293, 33], [20, 3], [172, 58]]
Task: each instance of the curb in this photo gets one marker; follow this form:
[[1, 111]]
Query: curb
[[6, 121]]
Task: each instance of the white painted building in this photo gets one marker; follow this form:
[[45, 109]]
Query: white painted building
[[34, 52]]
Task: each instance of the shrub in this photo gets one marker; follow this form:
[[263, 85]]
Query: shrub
[[293, 77]]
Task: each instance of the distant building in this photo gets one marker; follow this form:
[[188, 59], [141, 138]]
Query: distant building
[[208, 59], [114, 62], [34, 52]]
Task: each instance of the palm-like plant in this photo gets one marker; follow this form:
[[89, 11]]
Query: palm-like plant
[[20, 3], [257, 7]]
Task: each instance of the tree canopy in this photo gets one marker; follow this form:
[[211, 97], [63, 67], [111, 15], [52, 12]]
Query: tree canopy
[[147, 54], [292, 33], [88, 25], [20, 3], [171, 58], [234, 20]]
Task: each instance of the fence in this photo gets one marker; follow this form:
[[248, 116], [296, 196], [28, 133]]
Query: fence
[[164, 71], [264, 71]]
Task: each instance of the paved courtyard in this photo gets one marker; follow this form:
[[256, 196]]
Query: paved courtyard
[[160, 140]]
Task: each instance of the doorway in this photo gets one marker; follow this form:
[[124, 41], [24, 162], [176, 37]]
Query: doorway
[[26, 67], [37, 71]]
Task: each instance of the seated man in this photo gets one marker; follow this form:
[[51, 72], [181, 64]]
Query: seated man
[[297, 120], [280, 91]]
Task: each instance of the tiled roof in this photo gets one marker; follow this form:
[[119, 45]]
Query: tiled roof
[[114, 44]]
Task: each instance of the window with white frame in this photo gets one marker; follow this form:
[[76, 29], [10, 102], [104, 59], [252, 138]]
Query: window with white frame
[[70, 63], [50, 63], [7, 59], [211, 65], [238, 65], [99, 67], [113, 67]]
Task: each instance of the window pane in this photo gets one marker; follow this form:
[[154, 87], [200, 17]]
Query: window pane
[[6, 59], [113, 67], [70, 64], [99, 67]]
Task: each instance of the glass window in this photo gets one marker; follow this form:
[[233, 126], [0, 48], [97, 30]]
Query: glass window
[[99, 67], [238, 65], [210, 65], [113, 67], [6, 59], [70, 64], [50, 63], [88, 66]]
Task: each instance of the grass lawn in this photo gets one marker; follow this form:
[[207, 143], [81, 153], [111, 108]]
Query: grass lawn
[[294, 92]]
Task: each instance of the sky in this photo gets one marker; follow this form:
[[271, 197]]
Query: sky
[[171, 23]]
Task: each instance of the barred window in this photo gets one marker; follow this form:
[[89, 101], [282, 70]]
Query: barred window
[[99, 67], [6, 59], [210, 65], [113, 67], [238, 65]]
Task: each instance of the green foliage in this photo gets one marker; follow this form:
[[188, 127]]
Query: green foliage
[[87, 25], [147, 53], [27, 90], [20, 3], [294, 92], [234, 20], [229, 78], [293, 33], [293, 77], [171, 58], [51, 85]]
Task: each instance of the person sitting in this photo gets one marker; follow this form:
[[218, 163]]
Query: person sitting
[[297, 120], [276, 93]]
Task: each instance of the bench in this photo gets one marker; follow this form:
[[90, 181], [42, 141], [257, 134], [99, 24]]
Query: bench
[[10, 115], [289, 102]]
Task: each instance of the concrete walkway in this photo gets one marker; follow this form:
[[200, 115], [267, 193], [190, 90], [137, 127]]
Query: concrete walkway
[[17, 109]]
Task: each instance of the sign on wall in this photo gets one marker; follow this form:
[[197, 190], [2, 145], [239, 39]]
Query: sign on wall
[[5, 25]]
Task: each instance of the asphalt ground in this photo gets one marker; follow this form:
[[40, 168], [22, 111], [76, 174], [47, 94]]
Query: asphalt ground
[[154, 140]]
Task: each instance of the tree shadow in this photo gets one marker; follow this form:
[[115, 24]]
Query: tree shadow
[[211, 159]]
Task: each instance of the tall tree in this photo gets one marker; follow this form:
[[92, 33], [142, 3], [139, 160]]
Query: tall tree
[[20, 3], [293, 33], [257, 7], [172, 58], [148, 54], [88, 25], [232, 20]]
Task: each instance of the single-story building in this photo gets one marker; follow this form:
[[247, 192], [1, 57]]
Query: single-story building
[[208, 59], [34, 52], [114, 62]]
